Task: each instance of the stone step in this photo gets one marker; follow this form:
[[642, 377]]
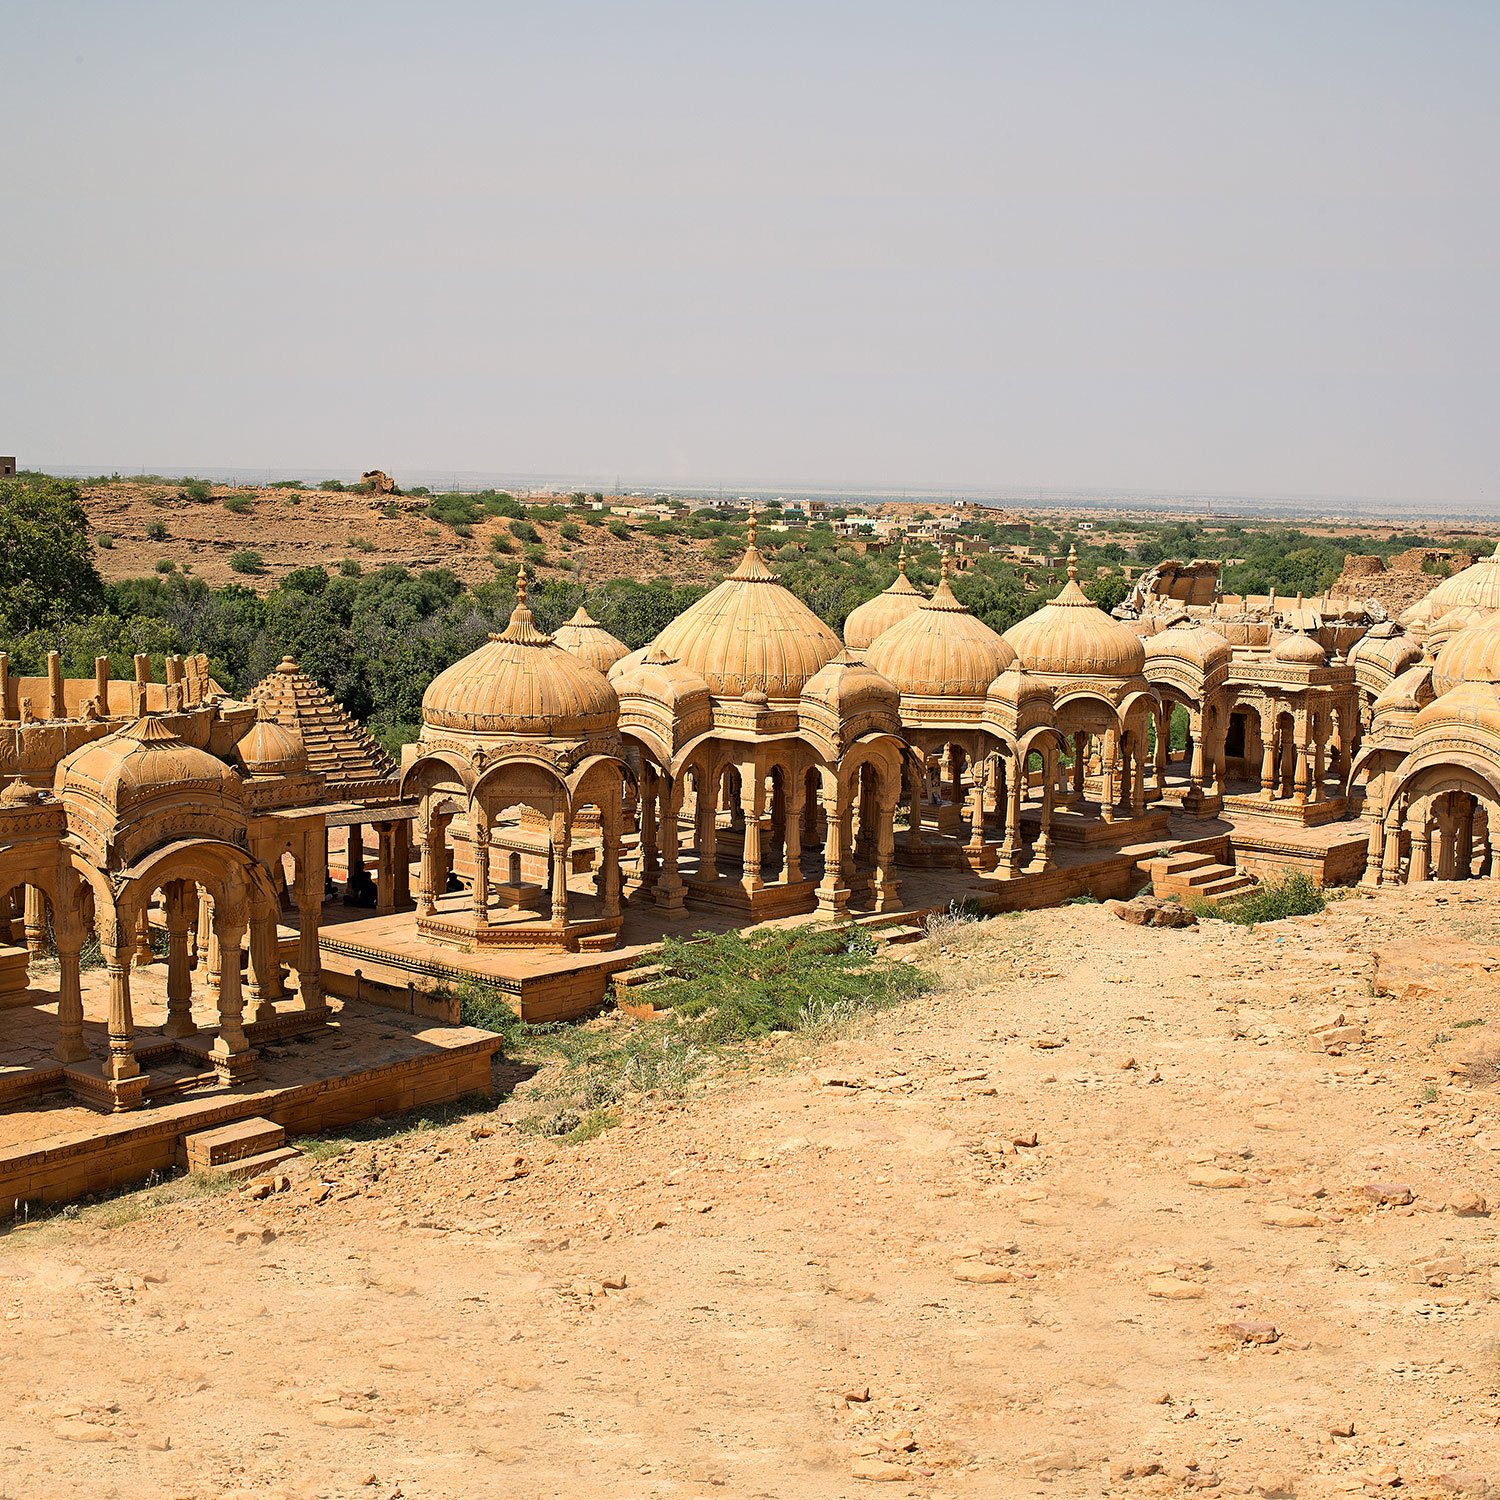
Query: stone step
[[207, 1149], [254, 1166], [1188, 859], [889, 937], [1205, 874], [1230, 885]]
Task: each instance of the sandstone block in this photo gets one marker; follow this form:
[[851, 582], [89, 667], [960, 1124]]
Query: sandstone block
[[1173, 1289], [1467, 1203], [1213, 1177], [978, 1271], [1388, 1192], [875, 1469], [1254, 1331]]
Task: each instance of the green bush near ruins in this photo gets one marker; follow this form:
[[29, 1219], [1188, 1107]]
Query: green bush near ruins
[[724, 991], [1295, 894], [248, 560]]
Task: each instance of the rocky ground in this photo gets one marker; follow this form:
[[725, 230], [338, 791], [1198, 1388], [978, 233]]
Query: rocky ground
[[308, 528], [1114, 1211]]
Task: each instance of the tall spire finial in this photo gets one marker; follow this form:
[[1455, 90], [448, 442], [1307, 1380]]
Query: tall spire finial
[[1072, 564], [945, 567], [752, 523], [901, 561], [521, 588]]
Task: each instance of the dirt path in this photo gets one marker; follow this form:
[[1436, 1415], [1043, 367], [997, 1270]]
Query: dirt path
[[698, 1301]]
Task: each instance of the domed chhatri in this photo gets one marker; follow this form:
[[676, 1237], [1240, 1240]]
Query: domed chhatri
[[590, 642], [1447, 625], [750, 632], [521, 683], [869, 621], [1073, 637], [118, 790], [272, 749], [940, 650]]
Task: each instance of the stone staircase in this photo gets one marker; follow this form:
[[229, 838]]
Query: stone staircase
[[246, 1148], [1189, 873]]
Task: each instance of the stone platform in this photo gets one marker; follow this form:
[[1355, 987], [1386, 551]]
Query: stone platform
[[360, 1061]]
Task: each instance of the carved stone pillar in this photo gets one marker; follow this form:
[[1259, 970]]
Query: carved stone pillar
[[561, 844], [120, 1064], [36, 921], [886, 888], [179, 975], [610, 887], [1107, 792], [1390, 864], [1268, 767], [231, 1053], [752, 792], [70, 1044], [1010, 845], [1041, 854], [385, 870], [309, 957], [669, 887], [791, 870], [833, 891], [427, 872], [401, 864], [650, 857], [1374, 854], [479, 830]]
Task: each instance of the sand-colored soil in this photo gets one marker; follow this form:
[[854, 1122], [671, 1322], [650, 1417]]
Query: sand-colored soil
[[307, 528], [832, 1273]]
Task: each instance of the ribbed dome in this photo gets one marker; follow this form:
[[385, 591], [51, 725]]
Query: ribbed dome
[[1461, 617], [522, 682], [1299, 650], [940, 650], [1471, 655], [144, 758], [1384, 648], [590, 642], [272, 749], [1073, 637], [1415, 618], [869, 621], [1479, 584], [1194, 645], [1472, 705], [750, 633]]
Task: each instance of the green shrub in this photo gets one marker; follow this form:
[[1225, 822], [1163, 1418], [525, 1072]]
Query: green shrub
[[739, 985], [524, 531], [157, 531], [165, 565], [104, 540], [569, 531], [349, 568], [247, 561], [464, 530], [390, 510], [196, 489], [361, 544], [1294, 895], [535, 554], [618, 528], [238, 504], [333, 486], [499, 543]]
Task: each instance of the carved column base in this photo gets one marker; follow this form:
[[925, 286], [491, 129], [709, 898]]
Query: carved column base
[[1008, 860], [668, 893], [887, 892], [833, 900], [232, 1067]]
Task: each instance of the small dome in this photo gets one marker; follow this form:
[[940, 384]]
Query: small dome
[[524, 683], [1299, 650], [1193, 645], [590, 642], [940, 650], [1415, 618], [1073, 637], [849, 685], [1469, 655], [1478, 584], [1383, 649], [272, 749], [869, 621], [1411, 690], [750, 632], [653, 674]]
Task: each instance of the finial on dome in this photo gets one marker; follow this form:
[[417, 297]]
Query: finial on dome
[[1073, 564], [901, 561], [752, 523], [521, 587], [945, 567]]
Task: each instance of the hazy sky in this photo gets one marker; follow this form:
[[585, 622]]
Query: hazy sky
[[1205, 246]]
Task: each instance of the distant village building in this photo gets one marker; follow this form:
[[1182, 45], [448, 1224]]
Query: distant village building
[[7, 468]]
